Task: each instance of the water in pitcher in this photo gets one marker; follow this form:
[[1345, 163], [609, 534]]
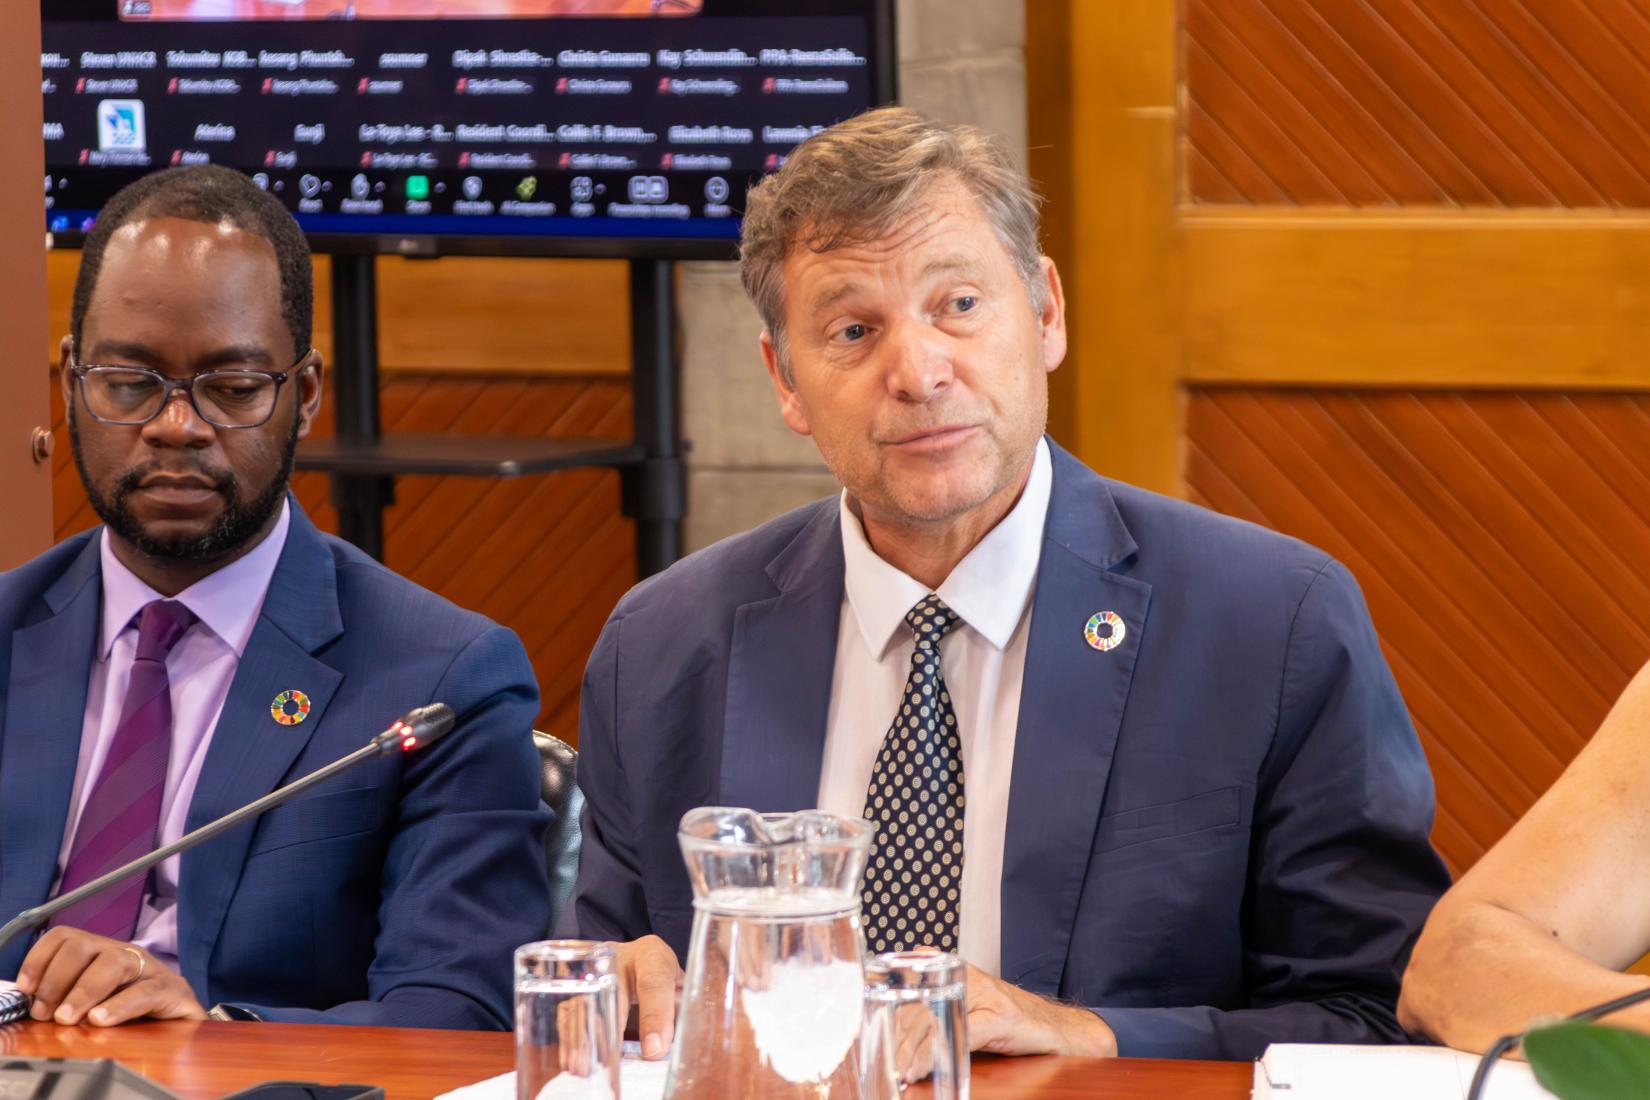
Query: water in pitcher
[[773, 999]]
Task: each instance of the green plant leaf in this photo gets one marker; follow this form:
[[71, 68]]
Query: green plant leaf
[[1582, 1061]]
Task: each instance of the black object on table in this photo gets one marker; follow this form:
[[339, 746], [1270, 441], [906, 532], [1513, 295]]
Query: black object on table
[[76, 1079]]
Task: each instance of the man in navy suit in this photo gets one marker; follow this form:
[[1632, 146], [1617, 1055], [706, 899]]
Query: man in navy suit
[[1142, 765], [207, 644]]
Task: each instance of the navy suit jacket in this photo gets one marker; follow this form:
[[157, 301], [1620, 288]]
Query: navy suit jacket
[[1217, 832], [393, 894]]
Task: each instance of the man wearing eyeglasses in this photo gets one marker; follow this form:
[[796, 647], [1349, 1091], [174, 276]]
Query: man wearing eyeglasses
[[207, 644]]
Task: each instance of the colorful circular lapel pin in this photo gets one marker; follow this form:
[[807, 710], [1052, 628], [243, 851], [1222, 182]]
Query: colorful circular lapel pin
[[1112, 624], [290, 708]]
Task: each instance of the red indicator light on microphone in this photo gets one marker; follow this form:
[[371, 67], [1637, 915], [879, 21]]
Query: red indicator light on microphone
[[409, 742]]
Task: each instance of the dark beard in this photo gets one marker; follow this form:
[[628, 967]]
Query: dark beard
[[235, 527]]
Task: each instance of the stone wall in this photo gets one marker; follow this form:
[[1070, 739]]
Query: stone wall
[[959, 60]]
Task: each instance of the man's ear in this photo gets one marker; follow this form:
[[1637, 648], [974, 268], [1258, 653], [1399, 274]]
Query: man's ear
[[1053, 317], [309, 381], [65, 378], [790, 403]]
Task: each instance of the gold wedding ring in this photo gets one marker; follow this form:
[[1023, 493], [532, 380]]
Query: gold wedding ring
[[142, 963]]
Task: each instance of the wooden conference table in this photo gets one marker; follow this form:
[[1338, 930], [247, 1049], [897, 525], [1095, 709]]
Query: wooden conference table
[[209, 1060]]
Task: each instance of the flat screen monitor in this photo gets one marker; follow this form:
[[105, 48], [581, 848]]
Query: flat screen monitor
[[423, 127]]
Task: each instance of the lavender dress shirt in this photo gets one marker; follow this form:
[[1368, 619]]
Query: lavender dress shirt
[[226, 604]]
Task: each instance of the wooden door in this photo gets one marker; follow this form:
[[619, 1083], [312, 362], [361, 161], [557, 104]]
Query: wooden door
[[27, 529], [1378, 275]]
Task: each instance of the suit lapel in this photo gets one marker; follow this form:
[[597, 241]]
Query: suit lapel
[[250, 753], [780, 665], [1071, 708], [45, 708]]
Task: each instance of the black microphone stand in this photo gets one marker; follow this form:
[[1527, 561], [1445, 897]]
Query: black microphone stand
[[1506, 1043], [417, 727]]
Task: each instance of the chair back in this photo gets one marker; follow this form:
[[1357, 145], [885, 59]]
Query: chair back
[[558, 770]]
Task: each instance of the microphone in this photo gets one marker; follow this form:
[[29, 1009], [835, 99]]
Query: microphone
[[1481, 1078], [413, 730]]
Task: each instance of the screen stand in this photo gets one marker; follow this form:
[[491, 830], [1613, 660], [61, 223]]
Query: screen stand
[[363, 461], [654, 485], [359, 498]]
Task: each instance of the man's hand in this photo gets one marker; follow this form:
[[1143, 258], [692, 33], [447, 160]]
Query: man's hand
[[74, 976], [649, 977], [1005, 1019]]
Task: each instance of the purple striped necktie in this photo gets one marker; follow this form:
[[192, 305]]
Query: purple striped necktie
[[120, 816]]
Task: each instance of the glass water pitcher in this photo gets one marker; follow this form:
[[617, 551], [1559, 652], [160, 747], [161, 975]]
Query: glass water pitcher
[[774, 993]]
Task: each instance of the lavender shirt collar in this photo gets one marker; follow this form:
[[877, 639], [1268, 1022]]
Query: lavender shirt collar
[[219, 600]]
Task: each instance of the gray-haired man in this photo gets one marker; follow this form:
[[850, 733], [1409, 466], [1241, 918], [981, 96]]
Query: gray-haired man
[[1178, 788]]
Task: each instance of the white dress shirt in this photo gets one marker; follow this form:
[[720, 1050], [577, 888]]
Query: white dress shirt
[[983, 662], [199, 670]]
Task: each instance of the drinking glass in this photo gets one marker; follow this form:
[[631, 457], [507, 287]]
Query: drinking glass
[[567, 1021], [916, 1021]]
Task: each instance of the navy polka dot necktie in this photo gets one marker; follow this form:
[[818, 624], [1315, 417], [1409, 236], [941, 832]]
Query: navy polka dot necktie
[[914, 878]]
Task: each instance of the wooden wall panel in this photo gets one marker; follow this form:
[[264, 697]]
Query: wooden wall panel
[[1048, 71], [1500, 539], [22, 293], [546, 556], [1388, 102], [1317, 295], [486, 315]]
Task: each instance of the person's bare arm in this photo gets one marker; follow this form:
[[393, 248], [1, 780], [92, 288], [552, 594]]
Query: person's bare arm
[[1548, 919]]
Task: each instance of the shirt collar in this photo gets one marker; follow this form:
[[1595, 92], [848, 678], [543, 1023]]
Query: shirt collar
[[227, 600], [988, 589]]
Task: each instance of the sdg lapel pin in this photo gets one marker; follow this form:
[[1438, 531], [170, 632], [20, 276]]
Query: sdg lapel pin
[[1105, 630], [290, 707]]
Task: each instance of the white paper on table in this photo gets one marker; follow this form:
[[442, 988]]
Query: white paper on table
[[638, 1080], [1308, 1071]]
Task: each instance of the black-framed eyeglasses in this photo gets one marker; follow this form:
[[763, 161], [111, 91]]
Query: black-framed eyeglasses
[[128, 397]]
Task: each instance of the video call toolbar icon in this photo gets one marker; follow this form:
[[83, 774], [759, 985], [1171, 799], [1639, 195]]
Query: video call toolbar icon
[[648, 189], [120, 126], [472, 187]]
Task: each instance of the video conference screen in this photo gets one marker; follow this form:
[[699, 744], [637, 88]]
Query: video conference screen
[[604, 127]]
